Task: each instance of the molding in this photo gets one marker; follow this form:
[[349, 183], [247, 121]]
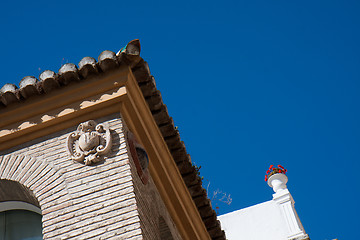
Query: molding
[[95, 98], [286, 203], [78, 103], [162, 166], [67, 95], [17, 205]]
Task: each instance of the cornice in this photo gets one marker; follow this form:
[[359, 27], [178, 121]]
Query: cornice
[[162, 166], [98, 97], [64, 108], [116, 83]]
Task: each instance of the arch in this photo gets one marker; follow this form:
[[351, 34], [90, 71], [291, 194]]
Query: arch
[[38, 176], [165, 232], [18, 205], [16, 192], [38, 183], [20, 213]]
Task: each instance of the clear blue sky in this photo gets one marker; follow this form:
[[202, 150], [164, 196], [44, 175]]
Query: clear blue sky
[[248, 83]]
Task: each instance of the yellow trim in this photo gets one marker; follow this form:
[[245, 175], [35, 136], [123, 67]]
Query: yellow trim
[[163, 169], [97, 97]]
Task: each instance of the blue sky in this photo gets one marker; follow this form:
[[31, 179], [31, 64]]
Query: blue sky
[[248, 83]]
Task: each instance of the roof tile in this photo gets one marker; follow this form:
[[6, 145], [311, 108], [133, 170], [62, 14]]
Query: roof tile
[[107, 60], [9, 94], [87, 67], [68, 73], [48, 81], [28, 87]]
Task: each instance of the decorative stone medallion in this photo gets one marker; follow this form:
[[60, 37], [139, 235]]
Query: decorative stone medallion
[[89, 143], [139, 156]]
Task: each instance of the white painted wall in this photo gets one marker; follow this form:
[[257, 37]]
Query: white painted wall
[[258, 222], [273, 220]]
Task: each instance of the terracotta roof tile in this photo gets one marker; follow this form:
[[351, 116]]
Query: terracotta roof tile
[[28, 87], [9, 94], [88, 67], [48, 81], [68, 73]]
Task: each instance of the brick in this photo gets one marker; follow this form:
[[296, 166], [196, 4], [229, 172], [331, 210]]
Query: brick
[[106, 201], [15, 165], [17, 174]]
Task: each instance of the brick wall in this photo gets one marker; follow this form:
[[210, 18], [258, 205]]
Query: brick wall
[[156, 222], [106, 201], [77, 201]]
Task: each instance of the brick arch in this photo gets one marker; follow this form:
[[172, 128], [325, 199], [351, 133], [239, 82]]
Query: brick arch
[[15, 191], [165, 232], [42, 178]]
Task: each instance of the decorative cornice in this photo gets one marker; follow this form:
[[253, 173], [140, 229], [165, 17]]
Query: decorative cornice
[[25, 124]]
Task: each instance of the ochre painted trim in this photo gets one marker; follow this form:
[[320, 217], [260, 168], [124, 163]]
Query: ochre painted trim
[[162, 167], [39, 105], [61, 109], [98, 97], [58, 115]]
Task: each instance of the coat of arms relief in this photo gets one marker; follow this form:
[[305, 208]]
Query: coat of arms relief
[[89, 143]]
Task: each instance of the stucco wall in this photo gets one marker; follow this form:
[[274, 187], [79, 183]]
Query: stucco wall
[[261, 221]]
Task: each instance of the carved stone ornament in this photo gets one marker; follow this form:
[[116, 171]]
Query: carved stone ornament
[[89, 143]]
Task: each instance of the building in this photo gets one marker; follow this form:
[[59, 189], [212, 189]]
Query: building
[[276, 219], [90, 152]]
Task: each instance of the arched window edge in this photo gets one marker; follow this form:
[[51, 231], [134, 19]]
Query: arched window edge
[[18, 205]]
